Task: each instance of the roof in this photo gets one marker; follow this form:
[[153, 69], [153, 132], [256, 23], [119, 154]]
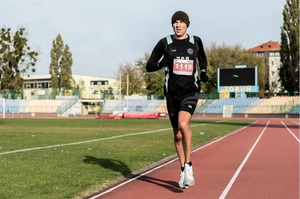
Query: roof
[[48, 76], [265, 47], [34, 77]]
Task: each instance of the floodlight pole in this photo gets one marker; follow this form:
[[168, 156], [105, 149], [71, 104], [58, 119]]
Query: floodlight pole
[[127, 89], [120, 95]]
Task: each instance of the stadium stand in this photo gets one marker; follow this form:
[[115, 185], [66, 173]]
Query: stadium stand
[[12, 106], [109, 106], [32, 106], [251, 105], [23, 105], [134, 105], [202, 104], [162, 107], [154, 104], [282, 104], [43, 106], [240, 105]]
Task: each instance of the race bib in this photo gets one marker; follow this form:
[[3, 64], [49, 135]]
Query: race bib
[[183, 67]]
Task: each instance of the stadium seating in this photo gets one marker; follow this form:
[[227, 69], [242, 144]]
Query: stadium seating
[[12, 106], [43, 106], [162, 107], [202, 104], [276, 105], [30, 106], [154, 104], [240, 105], [110, 105]]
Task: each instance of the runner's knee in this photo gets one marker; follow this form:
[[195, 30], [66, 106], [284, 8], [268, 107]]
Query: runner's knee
[[178, 137], [183, 125]]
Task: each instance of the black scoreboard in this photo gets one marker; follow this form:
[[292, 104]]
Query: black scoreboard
[[238, 79]]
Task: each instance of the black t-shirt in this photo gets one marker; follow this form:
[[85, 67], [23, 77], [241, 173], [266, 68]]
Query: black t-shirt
[[181, 75]]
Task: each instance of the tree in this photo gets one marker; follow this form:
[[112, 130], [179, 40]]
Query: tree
[[16, 58], [228, 57], [77, 87], [60, 66], [66, 70], [289, 52], [136, 80], [154, 81]]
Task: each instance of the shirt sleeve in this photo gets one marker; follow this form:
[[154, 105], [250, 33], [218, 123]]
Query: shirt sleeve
[[156, 55], [201, 55]]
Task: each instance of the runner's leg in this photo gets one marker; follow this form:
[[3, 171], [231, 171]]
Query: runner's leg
[[179, 145], [184, 126]]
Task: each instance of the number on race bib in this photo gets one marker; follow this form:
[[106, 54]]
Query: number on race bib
[[183, 67]]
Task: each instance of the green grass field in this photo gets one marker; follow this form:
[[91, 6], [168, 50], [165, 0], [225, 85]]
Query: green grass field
[[115, 148]]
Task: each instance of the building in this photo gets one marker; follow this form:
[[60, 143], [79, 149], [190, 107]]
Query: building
[[271, 52], [39, 86]]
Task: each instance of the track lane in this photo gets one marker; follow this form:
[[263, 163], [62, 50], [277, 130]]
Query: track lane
[[214, 166], [293, 128], [272, 171]]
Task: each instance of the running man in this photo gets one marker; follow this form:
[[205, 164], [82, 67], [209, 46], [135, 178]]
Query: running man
[[177, 54]]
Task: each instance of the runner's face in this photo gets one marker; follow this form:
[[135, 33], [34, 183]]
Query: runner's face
[[179, 28]]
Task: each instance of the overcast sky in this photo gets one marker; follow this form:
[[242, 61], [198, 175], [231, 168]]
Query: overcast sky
[[102, 35]]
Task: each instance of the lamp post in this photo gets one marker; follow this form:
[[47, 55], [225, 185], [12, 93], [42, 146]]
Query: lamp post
[[127, 89]]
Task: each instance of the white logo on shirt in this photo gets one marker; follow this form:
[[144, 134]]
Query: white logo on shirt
[[190, 51]]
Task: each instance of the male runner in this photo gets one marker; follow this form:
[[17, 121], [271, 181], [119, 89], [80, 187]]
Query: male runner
[[182, 86]]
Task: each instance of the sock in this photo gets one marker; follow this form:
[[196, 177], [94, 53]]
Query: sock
[[190, 163], [182, 169]]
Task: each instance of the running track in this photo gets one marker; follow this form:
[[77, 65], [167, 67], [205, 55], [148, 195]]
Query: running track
[[260, 161]]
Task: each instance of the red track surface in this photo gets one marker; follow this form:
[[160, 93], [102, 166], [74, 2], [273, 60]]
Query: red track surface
[[260, 161]]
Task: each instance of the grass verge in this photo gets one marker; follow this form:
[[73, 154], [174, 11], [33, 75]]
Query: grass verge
[[116, 148]]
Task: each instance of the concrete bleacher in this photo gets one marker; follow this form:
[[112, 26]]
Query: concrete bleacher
[[133, 105], [43, 106], [12, 106], [162, 107], [154, 104], [202, 104], [110, 105], [23, 105], [32, 106], [281, 104], [240, 105]]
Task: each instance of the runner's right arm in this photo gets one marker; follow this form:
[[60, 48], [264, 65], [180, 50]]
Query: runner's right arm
[[153, 63]]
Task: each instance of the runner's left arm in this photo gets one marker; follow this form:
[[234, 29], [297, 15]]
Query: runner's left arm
[[201, 55]]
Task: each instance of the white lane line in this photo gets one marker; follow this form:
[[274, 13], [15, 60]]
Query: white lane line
[[221, 138], [228, 187], [296, 122], [291, 132], [132, 179], [88, 141], [169, 162]]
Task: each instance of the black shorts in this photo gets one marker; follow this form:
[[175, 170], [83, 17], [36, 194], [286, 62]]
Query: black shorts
[[186, 103]]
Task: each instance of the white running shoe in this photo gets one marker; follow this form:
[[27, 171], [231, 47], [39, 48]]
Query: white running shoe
[[180, 183], [189, 179]]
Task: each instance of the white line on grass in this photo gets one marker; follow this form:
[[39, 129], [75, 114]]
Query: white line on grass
[[160, 166], [228, 187], [83, 142], [87, 141], [291, 132]]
